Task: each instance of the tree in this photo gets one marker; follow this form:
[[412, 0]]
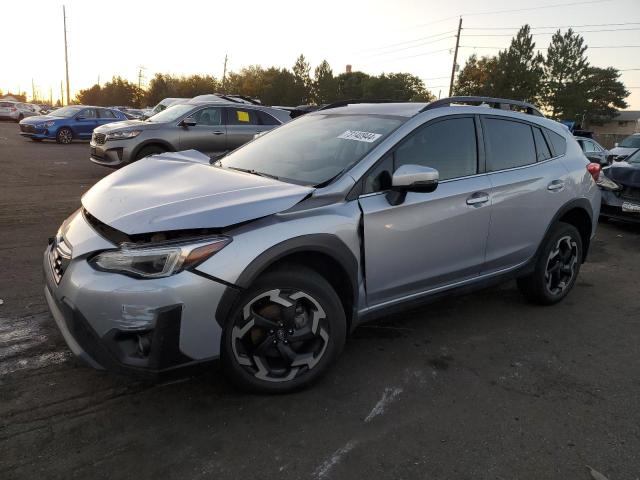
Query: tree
[[90, 96], [116, 92], [324, 84], [475, 77], [351, 85], [565, 68], [301, 74], [518, 70], [399, 87], [603, 95]]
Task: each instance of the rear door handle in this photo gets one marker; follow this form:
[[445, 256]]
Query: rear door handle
[[478, 198], [217, 132], [556, 185]]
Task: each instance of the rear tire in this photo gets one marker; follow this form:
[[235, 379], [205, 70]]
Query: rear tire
[[556, 268], [64, 136], [284, 332], [150, 150]]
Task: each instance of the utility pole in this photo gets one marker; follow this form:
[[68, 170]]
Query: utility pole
[[66, 55], [50, 96], [224, 74], [455, 58], [141, 68], [61, 94], [33, 91]]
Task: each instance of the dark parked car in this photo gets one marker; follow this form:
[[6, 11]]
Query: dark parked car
[[620, 185], [593, 150], [75, 122]]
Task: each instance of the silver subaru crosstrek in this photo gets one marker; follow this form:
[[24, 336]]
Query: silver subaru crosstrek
[[209, 127], [268, 257]]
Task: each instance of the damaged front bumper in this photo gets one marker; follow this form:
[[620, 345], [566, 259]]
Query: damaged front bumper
[[115, 322]]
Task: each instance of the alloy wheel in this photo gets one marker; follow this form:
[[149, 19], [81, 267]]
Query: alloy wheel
[[280, 335], [65, 136], [561, 265]]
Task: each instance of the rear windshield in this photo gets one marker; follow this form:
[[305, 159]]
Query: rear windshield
[[314, 149], [631, 142]]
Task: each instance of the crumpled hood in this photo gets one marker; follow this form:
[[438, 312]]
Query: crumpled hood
[[179, 191], [622, 150], [623, 173], [138, 124]]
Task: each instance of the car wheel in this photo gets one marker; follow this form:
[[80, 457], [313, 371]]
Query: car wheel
[[64, 135], [150, 150], [557, 267], [284, 332]]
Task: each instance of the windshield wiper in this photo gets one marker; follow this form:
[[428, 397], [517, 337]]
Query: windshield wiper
[[253, 172]]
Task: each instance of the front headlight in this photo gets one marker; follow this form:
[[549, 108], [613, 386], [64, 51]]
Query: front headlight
[[160, 260], [122, 134], [606, 183], [45, 124]]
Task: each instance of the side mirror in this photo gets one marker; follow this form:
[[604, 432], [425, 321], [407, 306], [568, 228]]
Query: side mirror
[[594, 158], [412, 178], [189, 122]]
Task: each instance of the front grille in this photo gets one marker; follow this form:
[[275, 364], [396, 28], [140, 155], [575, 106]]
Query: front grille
[[28, 128], [59, 257], [99, 138]]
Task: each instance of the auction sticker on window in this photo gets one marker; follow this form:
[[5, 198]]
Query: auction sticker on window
[[360, 136]]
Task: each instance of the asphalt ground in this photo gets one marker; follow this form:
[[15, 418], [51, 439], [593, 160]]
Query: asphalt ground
[[483, 386]]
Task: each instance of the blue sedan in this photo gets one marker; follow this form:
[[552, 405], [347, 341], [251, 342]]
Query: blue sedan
[[75, 122]]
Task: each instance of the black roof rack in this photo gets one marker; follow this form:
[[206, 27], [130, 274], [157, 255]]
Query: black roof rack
[[495, 102], [344, 103]]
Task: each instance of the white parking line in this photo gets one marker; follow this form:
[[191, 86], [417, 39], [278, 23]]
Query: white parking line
[[323, 470], [389, 395]]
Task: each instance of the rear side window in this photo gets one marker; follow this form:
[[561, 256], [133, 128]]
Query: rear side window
[[88, 113], [558, 143], [239, 116], [449, 146], [509, 144], [266, 119], [104, 113], [542, 149]]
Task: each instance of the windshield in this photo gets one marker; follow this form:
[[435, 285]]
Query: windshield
[[634, 157], [66, 112], [631, 142], [313, 149], [170, 114]]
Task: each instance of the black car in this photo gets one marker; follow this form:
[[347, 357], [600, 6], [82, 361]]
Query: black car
[[620, 186]]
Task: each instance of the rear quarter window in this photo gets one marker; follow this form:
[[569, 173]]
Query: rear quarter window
[[558, 143], [265, 119], [241, 116]]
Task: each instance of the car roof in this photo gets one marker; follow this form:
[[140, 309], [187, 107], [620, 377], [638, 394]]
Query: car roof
[[400, 109]]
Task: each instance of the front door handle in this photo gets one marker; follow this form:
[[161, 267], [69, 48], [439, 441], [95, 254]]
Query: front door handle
[[478, 198], [217, 132], [555, 186]]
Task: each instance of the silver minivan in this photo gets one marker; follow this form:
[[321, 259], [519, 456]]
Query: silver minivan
[[267, 258], [212, 128]]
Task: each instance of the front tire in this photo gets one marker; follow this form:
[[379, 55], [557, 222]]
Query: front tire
[[557, 267], [284, 332], [150, 150], [64, 136]]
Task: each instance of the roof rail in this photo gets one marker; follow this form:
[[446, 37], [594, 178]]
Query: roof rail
[[494, 102], [344, 103]]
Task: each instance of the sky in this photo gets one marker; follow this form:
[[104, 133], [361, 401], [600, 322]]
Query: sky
[[192, 37]]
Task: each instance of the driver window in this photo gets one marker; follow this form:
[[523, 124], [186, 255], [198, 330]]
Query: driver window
[[449, 146], [88, 113], [209, 116]]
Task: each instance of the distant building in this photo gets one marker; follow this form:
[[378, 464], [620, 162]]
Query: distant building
[[348, 69], [619, 127]]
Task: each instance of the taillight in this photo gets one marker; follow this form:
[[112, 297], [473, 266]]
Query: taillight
[[594, 170]]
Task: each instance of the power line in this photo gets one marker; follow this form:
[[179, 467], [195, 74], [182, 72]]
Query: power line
[[556, 26], [406, 42], [589, 46], [412, 46], [549, 33], [540, 7]]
